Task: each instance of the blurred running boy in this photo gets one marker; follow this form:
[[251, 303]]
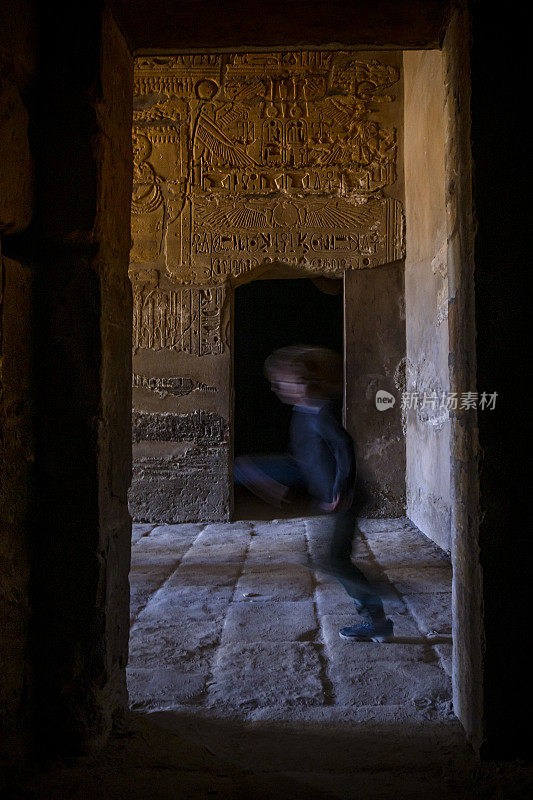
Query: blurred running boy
[[321, 458]]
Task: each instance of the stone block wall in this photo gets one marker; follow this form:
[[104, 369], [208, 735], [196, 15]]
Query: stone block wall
[[427, 422], [247, 164], [374, 313], [65, 361], [18, 56]]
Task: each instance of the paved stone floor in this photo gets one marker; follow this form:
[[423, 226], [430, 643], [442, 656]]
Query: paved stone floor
[[231, 619], [235, 645], [242, 689]]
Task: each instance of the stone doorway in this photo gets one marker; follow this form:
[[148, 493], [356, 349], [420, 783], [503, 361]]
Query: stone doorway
[[233, 200], [82, 293], [270, 314]]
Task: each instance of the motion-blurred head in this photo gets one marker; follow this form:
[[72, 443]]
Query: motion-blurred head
[[305, 375]]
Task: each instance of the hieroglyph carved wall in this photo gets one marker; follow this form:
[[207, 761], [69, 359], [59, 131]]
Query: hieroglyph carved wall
[[243, 162]]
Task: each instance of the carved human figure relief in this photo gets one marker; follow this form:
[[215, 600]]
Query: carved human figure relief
[[146, 204], [277, 157]]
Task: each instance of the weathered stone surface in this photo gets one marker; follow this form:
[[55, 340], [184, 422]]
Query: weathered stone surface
[[427, 425], [343, 653], [386, 525], [16, 165], [292, 676], [138, 531], [270, 622], [191, 530], [168, 634], [152, 552], [410, 580], [142, 586], [424, 686], [275, 582], [433, 612], [411, 549], [163, 687], [332, 599], [168, 491], [201, 427], [168, 609], [192, 644]]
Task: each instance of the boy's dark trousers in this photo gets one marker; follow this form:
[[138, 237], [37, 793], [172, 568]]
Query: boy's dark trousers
[[336, 536], [339, 531]]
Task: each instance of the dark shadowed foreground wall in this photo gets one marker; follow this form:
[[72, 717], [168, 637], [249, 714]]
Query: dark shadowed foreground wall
[[502, 199], [17, 75], [65, 394], [83, 328]]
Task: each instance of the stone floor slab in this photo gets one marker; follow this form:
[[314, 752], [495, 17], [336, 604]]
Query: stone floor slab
[[432, 612], [204, 575], [194, 594], [348, 653], [407, 549], [150, 558], [270, 622], [144, 583], [140, 529], [185, 646], [168, 608], [185, 530], [332, 599], [162, 688], [287, 582], [239, 539], [388, 525], [258, 675], [392, 683], [424, 580], [206, 556]]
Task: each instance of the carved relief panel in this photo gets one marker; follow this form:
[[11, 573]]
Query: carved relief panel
[[247, 159], [242, 162]]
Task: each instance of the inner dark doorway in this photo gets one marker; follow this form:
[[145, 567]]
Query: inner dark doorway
[[271, 314]]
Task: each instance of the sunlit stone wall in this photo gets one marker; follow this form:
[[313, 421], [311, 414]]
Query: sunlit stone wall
[[243, 163]]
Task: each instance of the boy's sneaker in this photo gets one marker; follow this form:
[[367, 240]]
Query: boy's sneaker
[[369, 632]]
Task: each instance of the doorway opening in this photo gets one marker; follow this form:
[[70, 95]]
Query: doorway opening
[[201, 330], [229, 581], [270, 314]]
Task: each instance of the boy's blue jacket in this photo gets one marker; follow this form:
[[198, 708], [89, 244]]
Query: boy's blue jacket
[[323, 450]]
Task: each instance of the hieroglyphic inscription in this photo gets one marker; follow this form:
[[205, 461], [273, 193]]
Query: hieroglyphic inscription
[[253, 158], [176, 318], [199, 427], [170, 387]]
